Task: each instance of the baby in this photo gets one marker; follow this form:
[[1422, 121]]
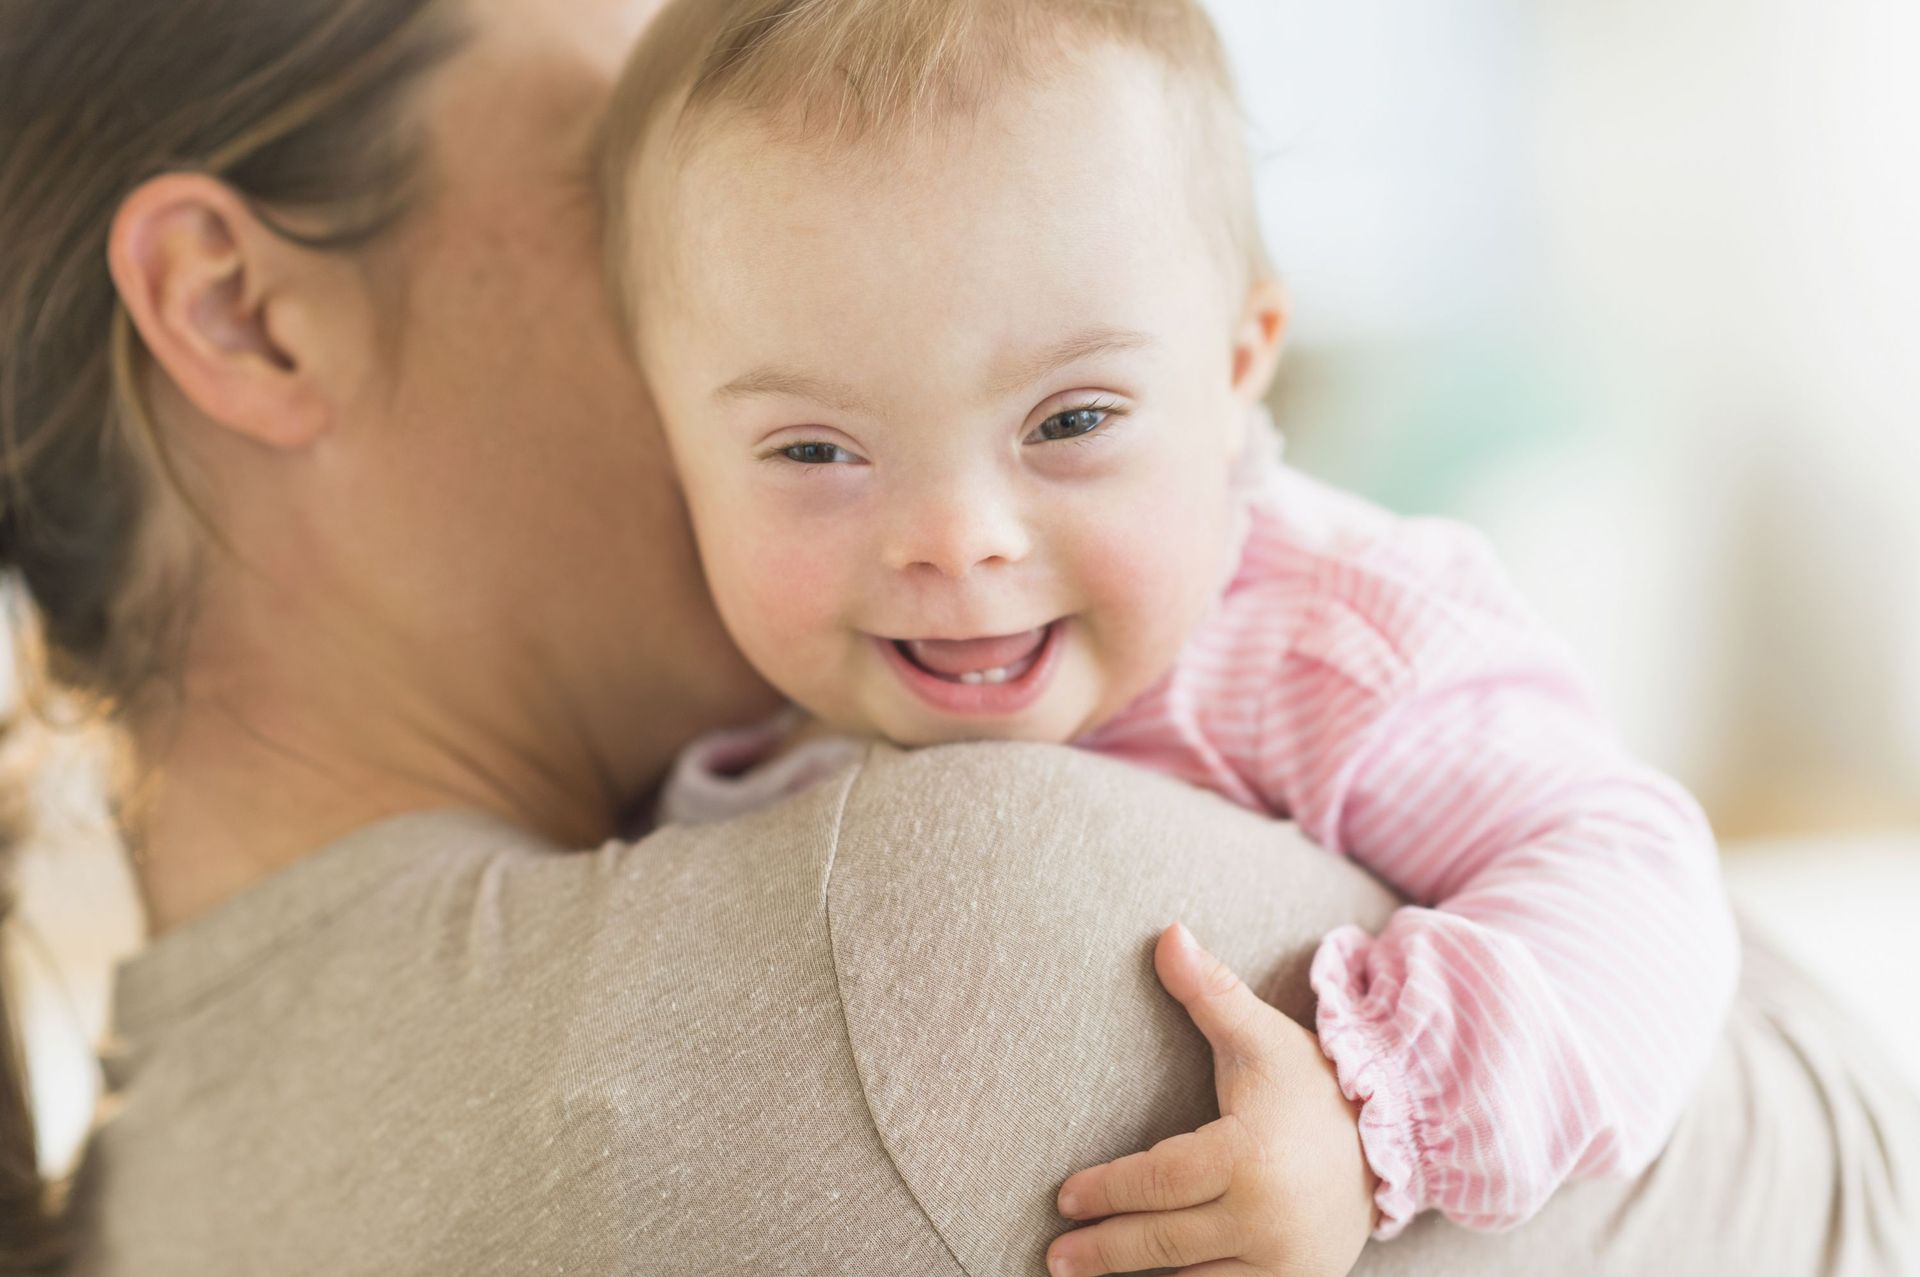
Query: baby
[[958, 319]]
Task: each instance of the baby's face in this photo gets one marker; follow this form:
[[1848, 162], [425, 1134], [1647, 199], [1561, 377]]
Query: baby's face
[[957, 423]]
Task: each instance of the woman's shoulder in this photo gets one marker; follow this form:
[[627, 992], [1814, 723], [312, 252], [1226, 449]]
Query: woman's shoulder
[[472, 1044], [476, 904], [455, 1043]]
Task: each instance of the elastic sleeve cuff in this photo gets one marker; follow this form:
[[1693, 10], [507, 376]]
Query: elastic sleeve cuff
[[1370, 1073]]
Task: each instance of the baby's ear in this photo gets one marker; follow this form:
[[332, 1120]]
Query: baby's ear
[[1258, 340]]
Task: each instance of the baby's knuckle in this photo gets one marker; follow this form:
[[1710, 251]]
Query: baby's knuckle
[[1111, 1251], [1160, 1183], [1239, 1137], [1160, 1248], [1217, 1163], [1220, 980], [1238, 1235]]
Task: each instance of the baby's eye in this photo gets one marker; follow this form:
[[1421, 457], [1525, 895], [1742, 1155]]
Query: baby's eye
[[817, 454], [1073, 424]]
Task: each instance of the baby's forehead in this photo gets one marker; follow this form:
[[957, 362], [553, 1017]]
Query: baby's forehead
[[1092, 165]]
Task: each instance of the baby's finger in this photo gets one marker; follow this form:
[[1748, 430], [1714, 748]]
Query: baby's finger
[[1223, 1008], [1186, 1170], [1129, 1243]]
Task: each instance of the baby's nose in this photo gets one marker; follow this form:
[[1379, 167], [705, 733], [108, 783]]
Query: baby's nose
[[953, 537]]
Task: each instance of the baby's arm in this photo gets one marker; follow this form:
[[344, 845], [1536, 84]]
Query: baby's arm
[[1551, 1013]]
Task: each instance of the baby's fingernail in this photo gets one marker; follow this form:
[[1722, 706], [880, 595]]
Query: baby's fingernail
[[1069, 1204], [1181, 936], [1058, 1266]]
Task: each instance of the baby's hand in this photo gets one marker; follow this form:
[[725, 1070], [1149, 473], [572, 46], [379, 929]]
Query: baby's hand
[[1278, 1187]]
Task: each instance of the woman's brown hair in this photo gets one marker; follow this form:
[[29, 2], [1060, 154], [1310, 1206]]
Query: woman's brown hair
[[303, 108]]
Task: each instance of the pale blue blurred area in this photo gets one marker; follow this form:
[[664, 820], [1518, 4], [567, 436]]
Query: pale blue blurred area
[[1635, 288], [1393, 146]]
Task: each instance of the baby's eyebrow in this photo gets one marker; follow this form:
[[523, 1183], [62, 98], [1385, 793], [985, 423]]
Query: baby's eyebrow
[[1094, 341], [773, 382], [768, 383]]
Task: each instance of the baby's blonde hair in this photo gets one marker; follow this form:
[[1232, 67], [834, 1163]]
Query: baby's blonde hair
[[839, 74]]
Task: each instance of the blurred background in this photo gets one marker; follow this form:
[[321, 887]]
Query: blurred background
[[1633, 286]]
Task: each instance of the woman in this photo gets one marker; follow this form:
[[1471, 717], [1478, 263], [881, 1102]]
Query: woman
[[331, 485]]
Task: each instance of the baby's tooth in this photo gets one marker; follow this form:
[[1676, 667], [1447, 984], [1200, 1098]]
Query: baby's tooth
[[986, 678]]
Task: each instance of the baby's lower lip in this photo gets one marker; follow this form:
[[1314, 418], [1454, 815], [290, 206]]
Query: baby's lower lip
[[991, 690]]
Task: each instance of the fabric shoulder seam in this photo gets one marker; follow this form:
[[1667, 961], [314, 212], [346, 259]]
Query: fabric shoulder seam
[[846, 1022]]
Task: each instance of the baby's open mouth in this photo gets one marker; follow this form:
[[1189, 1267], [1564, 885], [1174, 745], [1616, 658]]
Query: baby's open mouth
[[979, 662]]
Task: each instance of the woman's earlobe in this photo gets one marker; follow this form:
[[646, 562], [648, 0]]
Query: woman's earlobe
[[198, 273]]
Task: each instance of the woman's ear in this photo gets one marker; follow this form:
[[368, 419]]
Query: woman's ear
[[217, 297], [1258, 339]]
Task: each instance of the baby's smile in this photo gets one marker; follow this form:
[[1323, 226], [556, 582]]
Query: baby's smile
[[988, 677], [975, 661]]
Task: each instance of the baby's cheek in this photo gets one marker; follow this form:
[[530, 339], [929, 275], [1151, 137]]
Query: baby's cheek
[[1135, 569], [1147, 582], [783, 597]]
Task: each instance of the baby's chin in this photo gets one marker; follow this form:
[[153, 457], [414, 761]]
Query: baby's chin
[[970, 733], [1045, 725]]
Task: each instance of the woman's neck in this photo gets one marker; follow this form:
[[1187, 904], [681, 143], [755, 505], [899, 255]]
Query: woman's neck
[[243, 776]]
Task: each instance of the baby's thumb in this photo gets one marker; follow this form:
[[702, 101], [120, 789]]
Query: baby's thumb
[[1223, 1008]]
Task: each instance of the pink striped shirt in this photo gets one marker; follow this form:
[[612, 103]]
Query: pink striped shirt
[[1546, 1006]]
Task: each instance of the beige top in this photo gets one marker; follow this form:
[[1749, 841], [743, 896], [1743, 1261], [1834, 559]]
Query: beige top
[[867, 1031]]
